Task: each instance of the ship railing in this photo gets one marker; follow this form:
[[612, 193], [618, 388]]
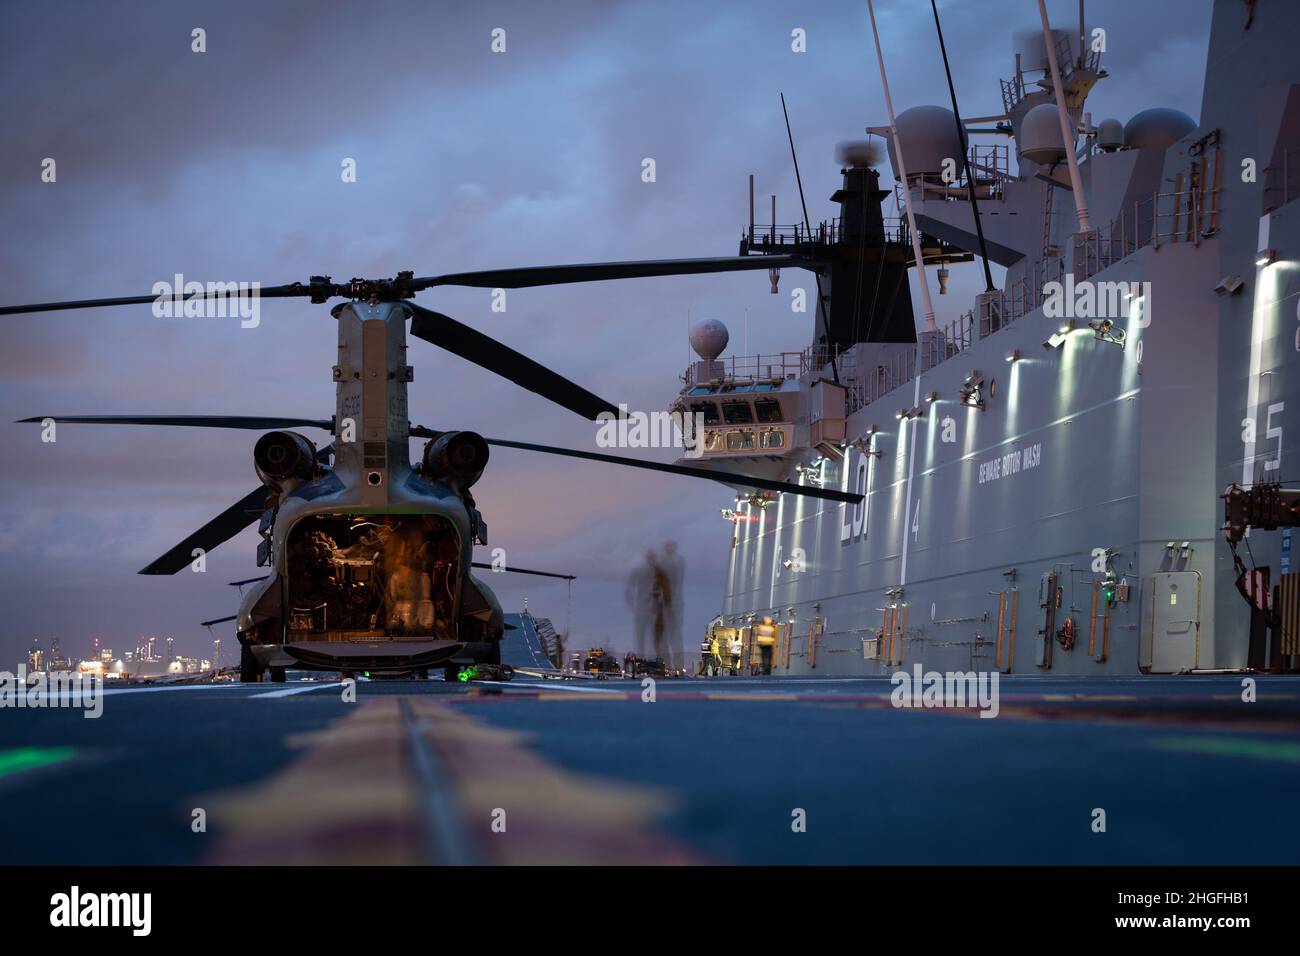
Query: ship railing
[[778, 235], [1013, 90], [997, 309], [990, 166], [951, 340], [816, 357], [826, 232], [752, 368], [868, 385], [1281, 181], [1159, 219]]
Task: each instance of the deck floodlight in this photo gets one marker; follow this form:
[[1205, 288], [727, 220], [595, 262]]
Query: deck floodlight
[[1057, 338], [1229, 284]]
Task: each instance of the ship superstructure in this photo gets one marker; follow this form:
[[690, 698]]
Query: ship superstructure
[[1042, 475]]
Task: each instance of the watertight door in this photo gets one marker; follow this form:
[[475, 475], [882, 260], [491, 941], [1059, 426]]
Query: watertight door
[[1175, 621]]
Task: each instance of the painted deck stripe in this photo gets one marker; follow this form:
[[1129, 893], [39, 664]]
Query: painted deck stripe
[[28, 758], [551, 687], [290, 691], [354, 796]]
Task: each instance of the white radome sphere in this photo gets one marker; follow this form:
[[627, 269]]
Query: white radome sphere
[[1157, 128], [929, 138], [709, 337], [1040, 136]]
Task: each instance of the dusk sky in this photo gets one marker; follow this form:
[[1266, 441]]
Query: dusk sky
[[225, 165]]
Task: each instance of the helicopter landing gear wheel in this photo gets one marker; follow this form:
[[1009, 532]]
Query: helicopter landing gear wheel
[[494, 655], [277, 675], [250, 671], [451, 673]]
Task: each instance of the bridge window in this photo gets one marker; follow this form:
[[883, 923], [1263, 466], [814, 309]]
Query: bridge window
[[769, 410], [774, 438], [708, 409], [740, 440], [737, 413]]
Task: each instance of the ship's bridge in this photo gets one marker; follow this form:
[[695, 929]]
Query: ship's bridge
[[747, 404]]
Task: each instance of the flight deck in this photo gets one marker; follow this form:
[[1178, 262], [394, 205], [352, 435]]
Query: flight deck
[[748, 771]]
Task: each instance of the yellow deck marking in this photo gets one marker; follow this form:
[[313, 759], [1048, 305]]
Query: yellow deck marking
[[351, 798], [345, 800]]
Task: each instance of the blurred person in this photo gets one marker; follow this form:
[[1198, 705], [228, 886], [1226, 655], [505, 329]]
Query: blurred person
[[659, 609], [674, 568], [640, 598]]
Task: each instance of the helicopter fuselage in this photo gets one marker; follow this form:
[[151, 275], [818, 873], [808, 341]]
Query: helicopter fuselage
[[369, 556]]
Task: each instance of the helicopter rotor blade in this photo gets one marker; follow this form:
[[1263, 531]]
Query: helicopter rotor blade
[[712, 474], [218, 620], [486, 352], [221, 528], [217, 531], [320, 288], [531, 276], [263, 292], [254, 422], [485, 566]]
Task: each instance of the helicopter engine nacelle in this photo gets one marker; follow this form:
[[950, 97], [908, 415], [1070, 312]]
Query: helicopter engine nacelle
[[457, 458], [280, 456]]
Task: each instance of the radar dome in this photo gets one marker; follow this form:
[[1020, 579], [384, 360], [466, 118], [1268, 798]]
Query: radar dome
[[1157, 128], [1040, 136], [859, 153], [709, 337], [1110, 135], [929, 136]]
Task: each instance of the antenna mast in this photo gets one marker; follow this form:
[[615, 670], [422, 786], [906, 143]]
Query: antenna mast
[[902, 172], [807, 227]]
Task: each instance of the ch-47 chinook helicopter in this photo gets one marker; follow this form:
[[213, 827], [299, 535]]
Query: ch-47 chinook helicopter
[[370, 556]]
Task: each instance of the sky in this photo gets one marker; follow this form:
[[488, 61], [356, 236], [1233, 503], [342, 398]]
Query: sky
[[226, 165]]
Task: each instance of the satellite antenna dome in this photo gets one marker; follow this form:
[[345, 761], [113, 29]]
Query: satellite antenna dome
[[929, 136], [1110, 135], [709, 337], [1157, 128], [1040, 136], [859, 153]]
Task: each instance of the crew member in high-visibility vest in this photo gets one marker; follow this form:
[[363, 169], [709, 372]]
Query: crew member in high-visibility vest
[[765, 635]]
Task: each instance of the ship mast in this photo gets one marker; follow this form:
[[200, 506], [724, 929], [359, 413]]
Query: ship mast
[[1067, 139]]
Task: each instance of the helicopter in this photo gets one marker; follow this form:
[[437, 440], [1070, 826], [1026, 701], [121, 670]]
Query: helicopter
[[369, 555]]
